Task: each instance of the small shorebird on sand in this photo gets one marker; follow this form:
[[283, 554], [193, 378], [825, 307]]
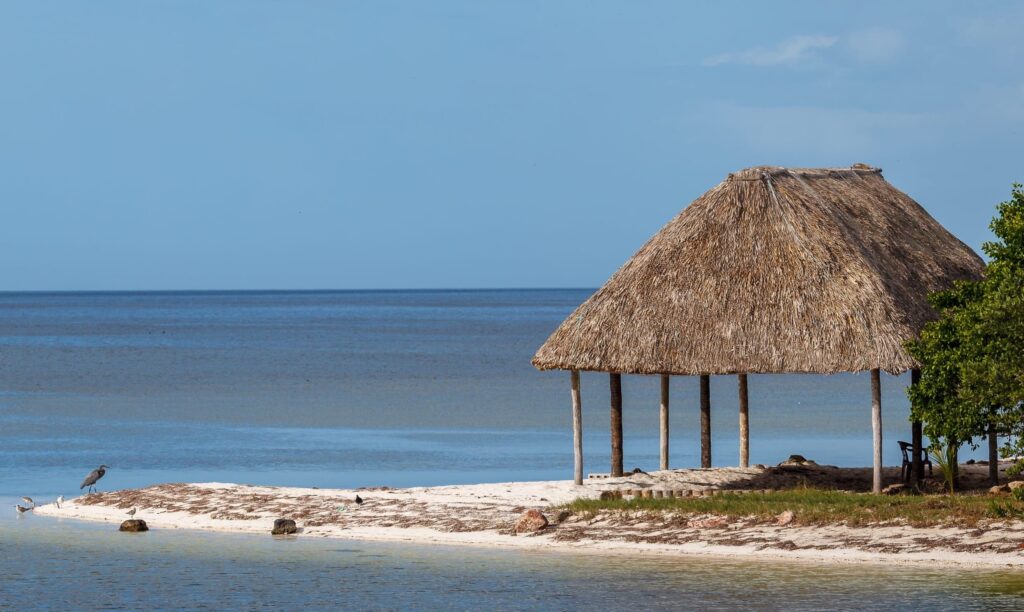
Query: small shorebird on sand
[[359, 500], [28, 500], [131, 513], [21, 509], [60, 500]]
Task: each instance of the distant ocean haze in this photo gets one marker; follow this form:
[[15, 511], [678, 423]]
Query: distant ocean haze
[[286, 384]]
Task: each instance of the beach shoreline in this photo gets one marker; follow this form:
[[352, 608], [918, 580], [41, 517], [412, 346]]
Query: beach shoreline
[[485, 515]]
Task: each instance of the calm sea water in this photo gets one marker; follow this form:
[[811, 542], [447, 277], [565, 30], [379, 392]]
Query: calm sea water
[[357, 388], [74, 566], [353, 389]]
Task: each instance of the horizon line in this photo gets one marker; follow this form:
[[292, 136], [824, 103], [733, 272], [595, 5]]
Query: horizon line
[[7, 292]]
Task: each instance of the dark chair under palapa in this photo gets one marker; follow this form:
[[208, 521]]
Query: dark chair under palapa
[[908, 460]]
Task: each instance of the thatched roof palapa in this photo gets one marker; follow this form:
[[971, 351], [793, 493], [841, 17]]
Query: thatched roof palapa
[[773, 270]]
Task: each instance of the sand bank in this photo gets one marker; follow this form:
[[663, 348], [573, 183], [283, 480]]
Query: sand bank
[[484, 514]]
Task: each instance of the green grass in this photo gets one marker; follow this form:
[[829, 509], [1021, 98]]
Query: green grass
[[823, 507]]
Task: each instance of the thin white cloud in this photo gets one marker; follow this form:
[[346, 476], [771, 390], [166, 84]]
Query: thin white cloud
[[876, 44], [790, 51], [999, 31], [989, 29]]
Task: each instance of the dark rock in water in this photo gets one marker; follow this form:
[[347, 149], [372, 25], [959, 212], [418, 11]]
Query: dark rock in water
[[532, 521], [134, 525], [284, 527]]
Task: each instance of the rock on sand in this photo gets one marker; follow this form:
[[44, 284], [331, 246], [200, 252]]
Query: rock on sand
[[532, 521]]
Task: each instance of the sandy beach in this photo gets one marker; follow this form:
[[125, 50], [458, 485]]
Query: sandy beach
[[485, 515]]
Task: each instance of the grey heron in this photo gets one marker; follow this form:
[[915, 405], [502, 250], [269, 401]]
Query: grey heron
[[90, 480]]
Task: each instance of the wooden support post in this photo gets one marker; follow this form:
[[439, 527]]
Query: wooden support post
[[744, 423], [917, 440], [993, 456], [577, 429], [876, 429], [917, 461], [664, 421], [705, 421], [615, 381]]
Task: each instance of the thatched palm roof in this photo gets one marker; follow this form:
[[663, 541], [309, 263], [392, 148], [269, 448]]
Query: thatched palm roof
[[773, 270]]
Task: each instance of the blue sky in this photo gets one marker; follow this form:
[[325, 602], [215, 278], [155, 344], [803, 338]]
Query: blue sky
[[165, 145]]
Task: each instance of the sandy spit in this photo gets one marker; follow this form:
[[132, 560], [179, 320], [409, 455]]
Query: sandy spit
[[484, 515]]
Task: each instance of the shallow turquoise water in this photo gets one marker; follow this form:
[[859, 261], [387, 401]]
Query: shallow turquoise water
[[47, 563]]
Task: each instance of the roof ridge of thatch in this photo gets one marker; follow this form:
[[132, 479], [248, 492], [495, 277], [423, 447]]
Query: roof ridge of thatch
[[774, 269], [756, 173]]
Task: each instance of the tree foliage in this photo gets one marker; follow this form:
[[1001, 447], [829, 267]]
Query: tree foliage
[[972, 357]]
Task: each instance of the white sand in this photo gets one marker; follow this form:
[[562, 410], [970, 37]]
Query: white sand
[[483, 515]]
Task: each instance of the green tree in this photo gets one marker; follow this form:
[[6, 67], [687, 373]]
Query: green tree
[[995, 377], [972, 357], [950, 419]]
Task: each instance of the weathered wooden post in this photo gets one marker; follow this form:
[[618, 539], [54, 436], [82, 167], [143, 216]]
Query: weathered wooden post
[[664, 421], [993, 456], [705, 421], [615, 381], [917, 441], [876, 429], [577, 428], [744, 423]]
